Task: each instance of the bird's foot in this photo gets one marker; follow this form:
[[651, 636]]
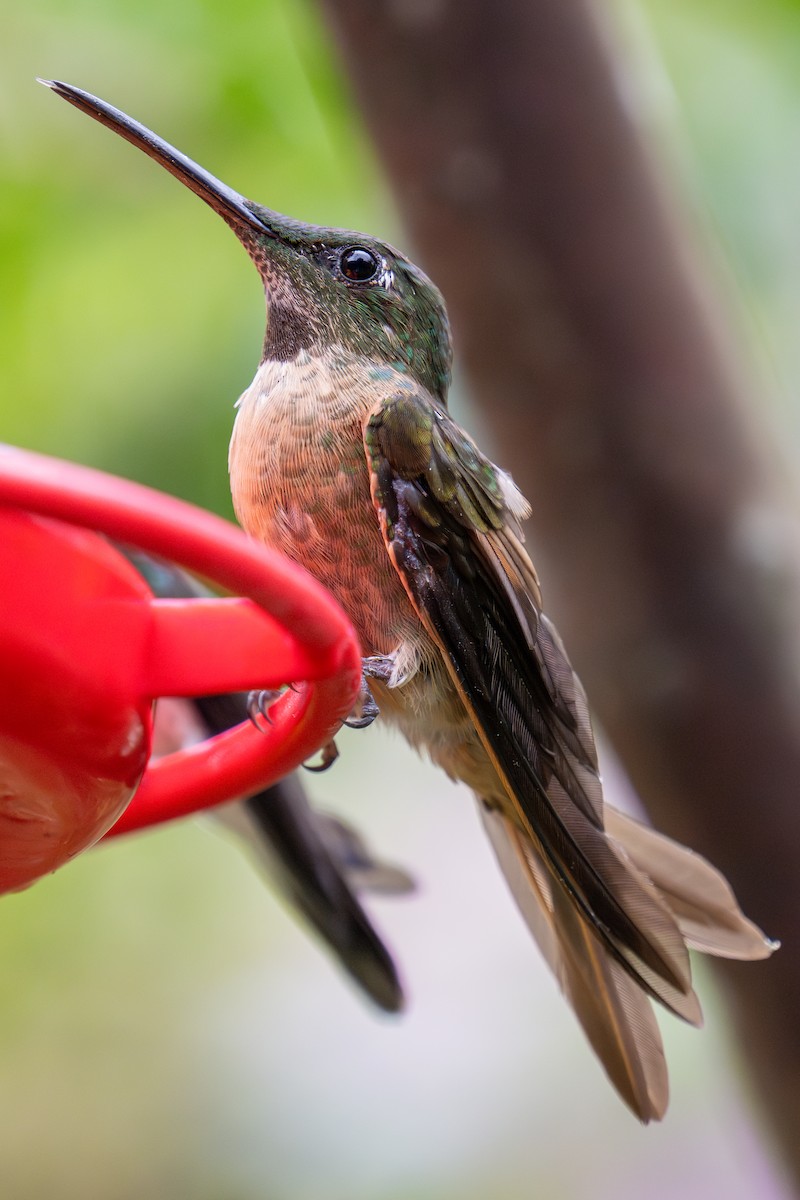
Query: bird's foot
[[376, 666], [329, 755], [365, 709], [258, 706]]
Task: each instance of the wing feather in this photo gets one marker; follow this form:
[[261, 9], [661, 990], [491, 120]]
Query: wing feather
[[453, 541]]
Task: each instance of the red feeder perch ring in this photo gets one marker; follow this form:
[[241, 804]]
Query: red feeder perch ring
[[85, 648]]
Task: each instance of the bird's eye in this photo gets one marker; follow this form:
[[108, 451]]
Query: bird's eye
[[358, 264]]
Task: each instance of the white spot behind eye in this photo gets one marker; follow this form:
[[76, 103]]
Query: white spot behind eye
[[386, 277]]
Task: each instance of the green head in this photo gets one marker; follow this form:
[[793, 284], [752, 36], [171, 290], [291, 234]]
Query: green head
[[324, 287]]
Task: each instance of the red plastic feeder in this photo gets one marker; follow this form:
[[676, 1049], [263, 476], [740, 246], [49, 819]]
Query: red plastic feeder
[[85, 648]]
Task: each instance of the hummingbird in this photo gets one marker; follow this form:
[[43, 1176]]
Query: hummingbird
[[344, 456]]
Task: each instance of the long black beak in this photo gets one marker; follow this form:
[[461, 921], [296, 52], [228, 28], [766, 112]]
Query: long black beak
[[232, 207]]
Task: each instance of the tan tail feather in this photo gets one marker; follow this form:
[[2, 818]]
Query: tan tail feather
[[616, 1015], [704, 905]]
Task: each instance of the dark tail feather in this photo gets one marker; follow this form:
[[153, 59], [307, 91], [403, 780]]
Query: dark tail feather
[[290, 838], [316, 861]]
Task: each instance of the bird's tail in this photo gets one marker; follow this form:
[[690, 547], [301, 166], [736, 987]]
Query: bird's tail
[[321, 866], [616, 1015]]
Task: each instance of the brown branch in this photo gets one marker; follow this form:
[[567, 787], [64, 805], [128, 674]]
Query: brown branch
[[666, 546]]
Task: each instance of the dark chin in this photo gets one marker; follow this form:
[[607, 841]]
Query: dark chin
[[288, 332]]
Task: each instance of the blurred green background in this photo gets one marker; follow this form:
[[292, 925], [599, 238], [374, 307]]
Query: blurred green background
[[166, 1029]]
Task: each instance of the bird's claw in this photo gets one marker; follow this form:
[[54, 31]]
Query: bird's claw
[[329, 753], [365, 710], [376, 666], [259, 703]]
